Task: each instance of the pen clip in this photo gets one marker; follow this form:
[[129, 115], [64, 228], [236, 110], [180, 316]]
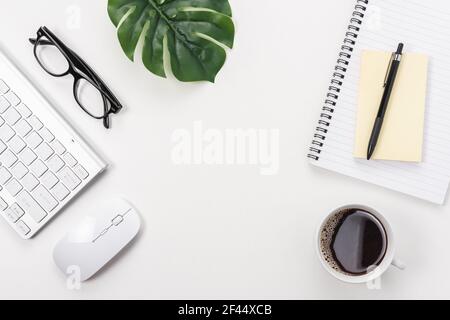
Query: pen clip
[[388, 69]]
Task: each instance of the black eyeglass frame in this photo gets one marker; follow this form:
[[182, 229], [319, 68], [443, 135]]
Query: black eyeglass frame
[[80, 70]]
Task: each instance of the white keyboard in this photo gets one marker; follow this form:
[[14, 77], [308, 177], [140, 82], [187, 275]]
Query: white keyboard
[[43, 162]]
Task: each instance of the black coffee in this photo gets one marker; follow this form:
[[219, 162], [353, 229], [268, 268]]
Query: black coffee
[[353, 241]]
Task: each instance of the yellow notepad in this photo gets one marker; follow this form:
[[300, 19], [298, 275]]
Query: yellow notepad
[[401, 137]]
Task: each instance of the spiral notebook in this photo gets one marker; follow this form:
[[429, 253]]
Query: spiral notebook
[[380, 25]]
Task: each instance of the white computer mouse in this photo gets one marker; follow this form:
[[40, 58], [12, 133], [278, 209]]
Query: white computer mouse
[[98, 238]]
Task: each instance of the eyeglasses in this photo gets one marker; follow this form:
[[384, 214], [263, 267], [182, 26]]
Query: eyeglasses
[[90, 92]]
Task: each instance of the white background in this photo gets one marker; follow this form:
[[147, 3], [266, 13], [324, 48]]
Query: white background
[[215, 231]]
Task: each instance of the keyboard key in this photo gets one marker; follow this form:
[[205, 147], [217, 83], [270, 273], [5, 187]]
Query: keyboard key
[[24, 110], [16, 211], [12, 98], [69, 159], [3, 87], [4, 104], [19, 170], [35, 123], [3, 147], [44, 151], [38, 168], [22, 128], [8, 158], [55, 163], [60, 191], [3, 204], [6, 133], [2, 121], [33, 139], [68, 178], [58, 147], [47, 135], [49, 180], [30, 206], [44, 198], [5, 175], [11, 216], [30, 182], [27, 156], [80, 172], [13, 187], [12, 116], [16, 144], [23, 228]]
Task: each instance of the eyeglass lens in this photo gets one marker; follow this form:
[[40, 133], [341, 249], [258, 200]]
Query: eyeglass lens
[[90, 98], [51, 58]]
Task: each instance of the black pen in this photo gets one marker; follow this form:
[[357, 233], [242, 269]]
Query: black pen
[[389, 81]]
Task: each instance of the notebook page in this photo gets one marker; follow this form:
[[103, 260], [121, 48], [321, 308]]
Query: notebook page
[[424, 27], [402, 136]]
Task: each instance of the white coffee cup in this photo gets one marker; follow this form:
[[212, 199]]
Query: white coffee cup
[[374, 273]]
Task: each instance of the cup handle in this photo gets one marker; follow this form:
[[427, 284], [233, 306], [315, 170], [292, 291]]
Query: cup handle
[[398, 264]]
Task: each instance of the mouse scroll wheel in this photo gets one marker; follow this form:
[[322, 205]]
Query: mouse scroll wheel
[[117, 220]]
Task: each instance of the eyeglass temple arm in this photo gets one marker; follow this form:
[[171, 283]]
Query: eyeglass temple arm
[[45, 42]]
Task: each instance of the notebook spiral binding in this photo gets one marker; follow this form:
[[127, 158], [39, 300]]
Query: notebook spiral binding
[[337, 79]]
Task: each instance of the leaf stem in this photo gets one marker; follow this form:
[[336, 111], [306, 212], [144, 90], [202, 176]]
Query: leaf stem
[[167, 20], [177, 32]]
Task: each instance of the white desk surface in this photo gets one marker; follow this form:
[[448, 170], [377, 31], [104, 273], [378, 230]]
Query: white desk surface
[[215, 231]]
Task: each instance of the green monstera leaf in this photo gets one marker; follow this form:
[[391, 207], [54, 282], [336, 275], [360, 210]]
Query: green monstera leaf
[[196, 32]]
